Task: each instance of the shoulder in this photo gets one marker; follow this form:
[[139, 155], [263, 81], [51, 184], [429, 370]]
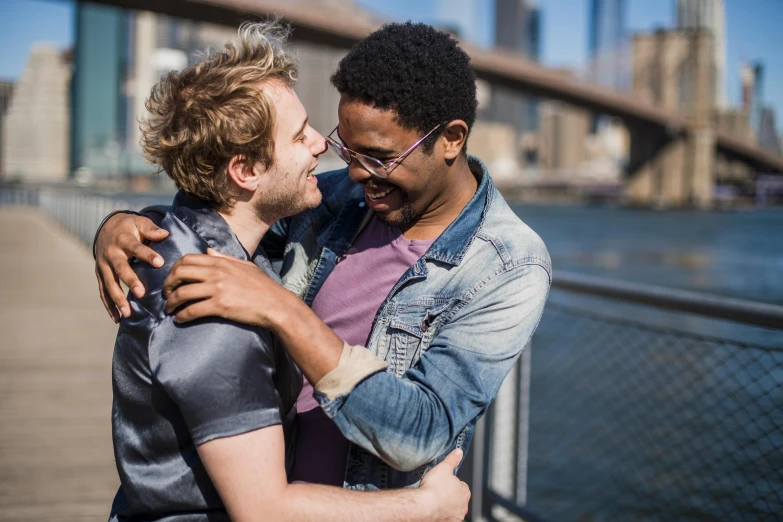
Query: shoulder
[[208, 347], [513, 241], [181, 241]]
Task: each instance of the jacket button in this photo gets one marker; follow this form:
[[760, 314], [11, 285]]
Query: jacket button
[[361, 204]]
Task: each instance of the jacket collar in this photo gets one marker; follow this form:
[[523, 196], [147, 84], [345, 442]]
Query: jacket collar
[[208, 224], [454, 242]]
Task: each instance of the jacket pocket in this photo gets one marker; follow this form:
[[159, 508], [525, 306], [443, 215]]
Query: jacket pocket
[[409, 330]]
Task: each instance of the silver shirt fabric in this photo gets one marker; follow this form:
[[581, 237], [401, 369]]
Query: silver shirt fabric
[[178, 386]]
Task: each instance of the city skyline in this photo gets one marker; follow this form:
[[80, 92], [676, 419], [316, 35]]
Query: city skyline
[[751, 32]]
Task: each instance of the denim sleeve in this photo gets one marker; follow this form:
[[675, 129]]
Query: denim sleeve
[[410, 421]]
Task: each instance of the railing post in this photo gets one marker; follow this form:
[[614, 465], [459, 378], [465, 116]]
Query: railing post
[[471, 472], [522, 393]]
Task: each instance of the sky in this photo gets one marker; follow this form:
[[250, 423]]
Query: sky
[[753, 31]]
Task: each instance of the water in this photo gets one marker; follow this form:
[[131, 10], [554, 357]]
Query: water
[[677, 419], [737, 254]]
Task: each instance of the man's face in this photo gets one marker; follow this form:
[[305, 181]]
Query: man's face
[[415, 186], [289, 186]]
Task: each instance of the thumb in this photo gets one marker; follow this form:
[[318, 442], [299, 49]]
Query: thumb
[[454, 458], [214, 253]]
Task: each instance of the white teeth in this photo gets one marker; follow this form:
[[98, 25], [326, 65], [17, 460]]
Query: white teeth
[[375, 197]]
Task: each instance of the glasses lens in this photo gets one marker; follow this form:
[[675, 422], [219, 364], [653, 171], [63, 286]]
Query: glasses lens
[[339, 150], [372, 165]]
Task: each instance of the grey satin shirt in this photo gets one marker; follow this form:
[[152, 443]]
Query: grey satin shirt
[[178, 386]]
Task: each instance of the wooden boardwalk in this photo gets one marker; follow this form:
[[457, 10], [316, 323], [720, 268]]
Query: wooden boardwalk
[[56, 341]]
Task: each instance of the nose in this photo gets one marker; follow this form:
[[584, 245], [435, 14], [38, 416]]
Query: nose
[[357, 172], [319, 145]]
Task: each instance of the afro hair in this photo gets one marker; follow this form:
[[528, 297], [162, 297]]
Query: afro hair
[[416, 71]]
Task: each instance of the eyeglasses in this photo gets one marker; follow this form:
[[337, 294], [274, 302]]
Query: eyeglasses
[[373, 166]]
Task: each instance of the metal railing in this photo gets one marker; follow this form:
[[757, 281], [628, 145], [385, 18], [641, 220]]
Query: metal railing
[[638, 402], [78, 210]]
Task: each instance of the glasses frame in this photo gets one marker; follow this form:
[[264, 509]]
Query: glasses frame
[[368, 162]]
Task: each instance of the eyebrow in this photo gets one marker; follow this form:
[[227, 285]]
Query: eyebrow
[[370, 151]]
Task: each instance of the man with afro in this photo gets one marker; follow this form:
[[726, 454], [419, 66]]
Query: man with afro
[[427, 285]]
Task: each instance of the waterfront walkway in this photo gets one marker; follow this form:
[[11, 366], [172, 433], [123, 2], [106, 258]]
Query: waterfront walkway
[[56, 460]]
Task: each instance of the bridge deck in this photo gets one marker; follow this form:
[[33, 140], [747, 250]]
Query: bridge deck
[[56, 460]]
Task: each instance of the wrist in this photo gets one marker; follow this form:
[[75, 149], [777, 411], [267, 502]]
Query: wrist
[[426, 503], [277, 317], [101, 225]]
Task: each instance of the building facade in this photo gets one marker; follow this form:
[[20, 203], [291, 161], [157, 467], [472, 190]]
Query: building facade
[[710, 16], [6, 91], [518, 30], [607, 44], [36, 123]]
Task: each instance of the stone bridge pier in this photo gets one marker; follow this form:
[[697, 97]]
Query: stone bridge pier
[[673, 167]]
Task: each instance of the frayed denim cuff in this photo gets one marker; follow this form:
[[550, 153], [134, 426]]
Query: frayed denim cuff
[[356, 364]]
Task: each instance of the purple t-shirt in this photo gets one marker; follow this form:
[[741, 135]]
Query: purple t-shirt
[[347, 303]]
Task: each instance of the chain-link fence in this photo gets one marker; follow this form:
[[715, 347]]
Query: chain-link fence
[[642, 414]]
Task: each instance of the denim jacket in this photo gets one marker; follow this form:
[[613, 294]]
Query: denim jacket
[[450, 330]]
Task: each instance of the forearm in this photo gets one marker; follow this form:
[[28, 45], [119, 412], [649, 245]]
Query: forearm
[[315, 348], [248, 471], [303, 502]]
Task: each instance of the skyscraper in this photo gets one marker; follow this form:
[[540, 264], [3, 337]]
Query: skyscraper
[[35, 126], [711, 16], [767, 131], [517, 29], [98, 107], [609, 60]]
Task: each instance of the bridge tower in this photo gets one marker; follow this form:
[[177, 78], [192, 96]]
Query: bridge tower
[[673, 167]]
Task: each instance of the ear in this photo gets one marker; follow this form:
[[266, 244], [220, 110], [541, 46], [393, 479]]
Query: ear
[[242, 174], [455, 136]]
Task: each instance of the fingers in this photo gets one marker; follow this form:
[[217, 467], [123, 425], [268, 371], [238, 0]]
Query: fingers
[[111, 286], [123, 271], [195, 311], [131, 246], [186, 293], [214, 253], [110, 308], [453, 459], [185, 273], [149, 230], [146, 254]]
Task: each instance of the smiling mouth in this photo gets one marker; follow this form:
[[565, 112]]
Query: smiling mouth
[[375, 195]]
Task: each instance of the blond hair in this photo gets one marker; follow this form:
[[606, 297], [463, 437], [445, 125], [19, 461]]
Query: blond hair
[[208, 113]]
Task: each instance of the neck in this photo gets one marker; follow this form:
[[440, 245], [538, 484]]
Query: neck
[[457, 193], [246, 224]]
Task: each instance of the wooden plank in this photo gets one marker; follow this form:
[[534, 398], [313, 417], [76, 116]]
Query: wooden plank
[[56, 460]]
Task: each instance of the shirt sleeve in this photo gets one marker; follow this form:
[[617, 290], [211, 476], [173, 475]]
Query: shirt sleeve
[[220, 374]]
